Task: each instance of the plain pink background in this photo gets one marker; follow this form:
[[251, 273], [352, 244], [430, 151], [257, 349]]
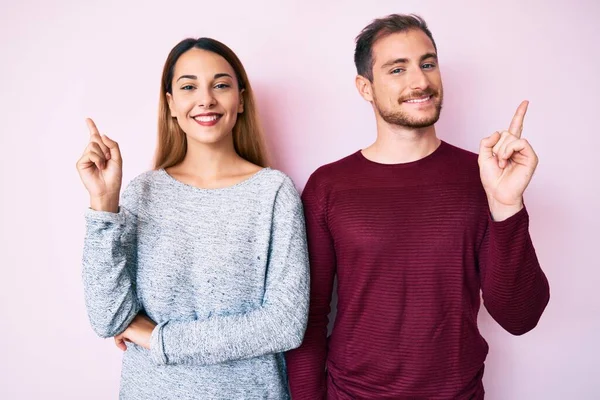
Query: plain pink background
[[65, 60]]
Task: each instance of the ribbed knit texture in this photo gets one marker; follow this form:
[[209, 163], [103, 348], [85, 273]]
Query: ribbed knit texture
[[413, 246]]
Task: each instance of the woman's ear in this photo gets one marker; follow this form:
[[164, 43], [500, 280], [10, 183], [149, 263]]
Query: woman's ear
[[241, 105], [171, 105]]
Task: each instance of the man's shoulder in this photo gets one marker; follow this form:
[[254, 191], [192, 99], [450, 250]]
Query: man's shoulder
[[460, 153], [460, 159], [337, 170]]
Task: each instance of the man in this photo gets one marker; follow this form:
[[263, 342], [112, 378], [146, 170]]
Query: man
[[415, 230]]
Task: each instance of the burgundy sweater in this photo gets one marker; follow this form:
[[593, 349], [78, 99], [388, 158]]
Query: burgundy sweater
[[413, 246]]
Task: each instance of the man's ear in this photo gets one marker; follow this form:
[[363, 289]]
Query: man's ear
[[364, 87]]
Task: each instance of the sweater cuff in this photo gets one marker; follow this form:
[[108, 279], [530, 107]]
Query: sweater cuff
[[105, 216], [157, 349], [510, 225]]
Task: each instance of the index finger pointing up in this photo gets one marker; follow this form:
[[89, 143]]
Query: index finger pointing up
[[92, 127], [95, 137], [516, 125]]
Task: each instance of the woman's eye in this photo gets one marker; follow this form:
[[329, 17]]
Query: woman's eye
[[221, 86], [187, 87], [429, 65], [397, 70]]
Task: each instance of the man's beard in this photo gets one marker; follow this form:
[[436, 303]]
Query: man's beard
[[402, 118]]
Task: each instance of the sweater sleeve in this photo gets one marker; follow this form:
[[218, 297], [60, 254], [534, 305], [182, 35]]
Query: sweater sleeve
[[306, 365], [515, 289], [109, 263], [276, 326]]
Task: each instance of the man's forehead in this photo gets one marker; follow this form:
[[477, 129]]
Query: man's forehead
[[411, 44]]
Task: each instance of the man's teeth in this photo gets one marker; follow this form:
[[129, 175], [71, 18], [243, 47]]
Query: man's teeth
[[423, 100], [206, 118]]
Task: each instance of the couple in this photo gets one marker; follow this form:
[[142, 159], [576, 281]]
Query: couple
[[200, 271]]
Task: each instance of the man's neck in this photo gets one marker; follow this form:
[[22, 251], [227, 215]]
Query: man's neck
[[398, 144]]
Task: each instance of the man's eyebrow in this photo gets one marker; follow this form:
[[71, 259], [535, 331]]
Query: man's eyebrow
[[405, 60]]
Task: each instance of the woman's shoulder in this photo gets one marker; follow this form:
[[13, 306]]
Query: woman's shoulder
[[276, 179], [144, 179], [141, 185], [280, 189]]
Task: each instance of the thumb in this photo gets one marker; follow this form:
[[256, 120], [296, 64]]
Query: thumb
[[487, 145], [115, 152]]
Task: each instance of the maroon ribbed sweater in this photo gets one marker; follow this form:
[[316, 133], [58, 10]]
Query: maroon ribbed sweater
[[412, 245]]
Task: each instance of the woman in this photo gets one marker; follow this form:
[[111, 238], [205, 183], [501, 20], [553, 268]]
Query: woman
[[200, 272]]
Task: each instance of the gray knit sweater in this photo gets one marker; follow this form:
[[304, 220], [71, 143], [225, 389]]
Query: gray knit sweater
[[224, 274]]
